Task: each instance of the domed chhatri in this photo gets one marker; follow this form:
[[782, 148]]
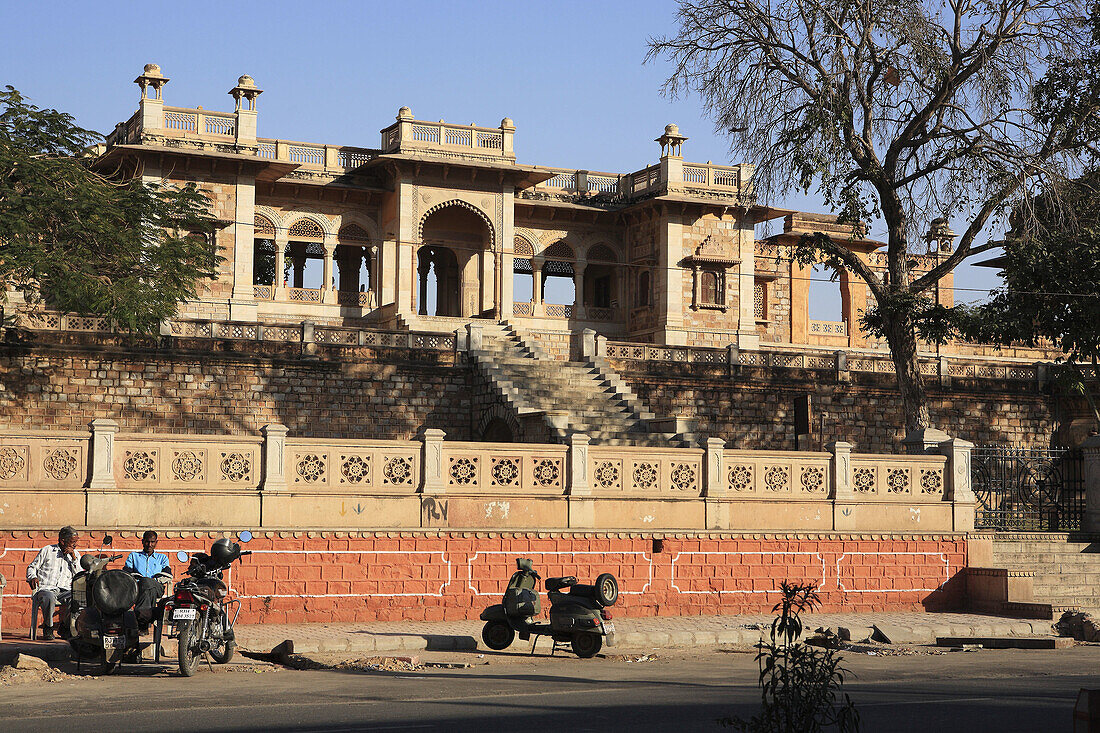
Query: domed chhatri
[[671, 140], [246, 81], [152, 70]]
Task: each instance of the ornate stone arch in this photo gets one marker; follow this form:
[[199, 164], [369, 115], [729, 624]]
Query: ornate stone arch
[[463, 204], [263, 227], [530, 238], [549, 239], [272, 215], [290, 217], [374, 233], [502, 413], [603, 252]]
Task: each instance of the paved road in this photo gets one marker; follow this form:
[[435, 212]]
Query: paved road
[[1008, 690]]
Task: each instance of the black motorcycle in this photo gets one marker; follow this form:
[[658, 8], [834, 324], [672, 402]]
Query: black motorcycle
[[198, 612], [577, 612], [99, 620]]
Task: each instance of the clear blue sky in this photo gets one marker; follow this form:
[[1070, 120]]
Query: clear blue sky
[[570, 74]]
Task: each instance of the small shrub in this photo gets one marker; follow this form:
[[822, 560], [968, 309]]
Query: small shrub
[[800, 685]]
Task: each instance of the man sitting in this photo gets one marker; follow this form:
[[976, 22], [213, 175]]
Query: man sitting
[[148, 564], [50, 576]]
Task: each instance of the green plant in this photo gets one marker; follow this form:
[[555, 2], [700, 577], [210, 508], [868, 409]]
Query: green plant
[[800, 685]]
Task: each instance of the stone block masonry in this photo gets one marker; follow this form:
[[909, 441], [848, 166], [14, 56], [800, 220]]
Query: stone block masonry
[[431, 576], [213, 386]]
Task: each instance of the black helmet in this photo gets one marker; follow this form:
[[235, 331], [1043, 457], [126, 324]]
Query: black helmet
[[224, 552]]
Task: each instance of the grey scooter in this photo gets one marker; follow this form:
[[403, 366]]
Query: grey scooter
[[577, 616]]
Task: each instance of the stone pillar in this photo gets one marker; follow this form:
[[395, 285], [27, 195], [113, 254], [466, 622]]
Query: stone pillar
[[328, 292], [956, 483], [578, 288], [280, 264], [840, 476], [103, 454], [718, 514], [581, 505], [588, 343], [924, 441], [242, 305], [508, 134], [1091, 450], [747, 335], [244, 96], [475, 336], [432, 480], [274, 478]]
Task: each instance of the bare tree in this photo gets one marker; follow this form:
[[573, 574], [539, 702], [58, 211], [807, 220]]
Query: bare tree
[[902, 110]]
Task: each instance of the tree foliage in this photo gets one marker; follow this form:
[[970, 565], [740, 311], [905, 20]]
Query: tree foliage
[[800, 685], [899, 110], [85, 242], [1051, 290]]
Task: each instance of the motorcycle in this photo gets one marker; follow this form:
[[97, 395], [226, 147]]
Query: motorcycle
[[198, 612], [578, 613], [99, 620]]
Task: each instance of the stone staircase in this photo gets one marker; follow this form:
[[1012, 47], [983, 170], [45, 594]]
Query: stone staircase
[[1066, 567], [583, 397]]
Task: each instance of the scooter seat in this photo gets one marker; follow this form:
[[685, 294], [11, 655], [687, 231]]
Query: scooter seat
[[559, 583]]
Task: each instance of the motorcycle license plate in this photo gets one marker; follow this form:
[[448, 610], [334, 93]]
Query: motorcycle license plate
[[181, 614], [114, 642], [608, 628]]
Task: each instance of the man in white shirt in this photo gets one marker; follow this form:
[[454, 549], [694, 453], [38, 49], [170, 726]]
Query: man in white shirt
[[50, 576]]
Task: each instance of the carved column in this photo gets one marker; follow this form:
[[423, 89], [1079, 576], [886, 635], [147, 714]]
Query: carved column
[[1091, 450], [840, 476], [328, 291], [274, 478], [715, 489], [582, 508], [578, 287], [431, 468], [103, 454]]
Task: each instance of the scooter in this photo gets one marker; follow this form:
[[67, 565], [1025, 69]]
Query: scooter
[[99, 620], [197, 612], [577, 615]]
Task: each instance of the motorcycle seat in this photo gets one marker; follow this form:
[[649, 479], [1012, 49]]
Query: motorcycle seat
[[567, 581]]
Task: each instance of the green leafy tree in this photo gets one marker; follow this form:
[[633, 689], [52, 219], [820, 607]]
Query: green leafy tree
[[1051, 291], [88, 242], [902, 110], [801, 686]]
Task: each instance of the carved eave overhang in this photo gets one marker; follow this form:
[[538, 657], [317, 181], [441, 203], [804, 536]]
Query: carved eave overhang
[[188, 159], [856, 244], [556, 209], [712, 253], [460, 169], [674, 202]]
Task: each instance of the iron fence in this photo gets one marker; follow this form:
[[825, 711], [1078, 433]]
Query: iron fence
[[1028, 489]]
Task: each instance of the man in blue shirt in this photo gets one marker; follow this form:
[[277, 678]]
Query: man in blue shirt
[[153, 572]]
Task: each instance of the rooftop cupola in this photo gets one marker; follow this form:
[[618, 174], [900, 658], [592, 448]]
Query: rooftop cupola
[[671, 140], [244, 95], [151, 107]]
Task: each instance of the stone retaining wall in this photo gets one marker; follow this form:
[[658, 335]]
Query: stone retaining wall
[[391, 576]]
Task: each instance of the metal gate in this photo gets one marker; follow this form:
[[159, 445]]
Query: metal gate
[[1028, 489]]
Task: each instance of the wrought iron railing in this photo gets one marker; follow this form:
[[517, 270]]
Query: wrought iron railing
[[1028, 489]]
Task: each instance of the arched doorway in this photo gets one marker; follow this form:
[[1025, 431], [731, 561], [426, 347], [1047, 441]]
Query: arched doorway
[[354, 267], [601, 283], [497, 431], [457, 253], [438, 287], [305, 256], [559, 282]]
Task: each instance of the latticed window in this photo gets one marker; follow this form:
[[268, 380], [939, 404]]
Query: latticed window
[[712, 290], [306, 229], [760, 300], [602, 253], [354, 232], [559, 250], [522, 248], [263, 228]]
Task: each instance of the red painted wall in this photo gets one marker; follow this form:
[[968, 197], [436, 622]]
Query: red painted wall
[[442, 576]]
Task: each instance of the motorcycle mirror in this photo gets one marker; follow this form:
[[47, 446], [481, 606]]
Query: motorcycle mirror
[[108, 540], [245, 536], [181, 556]]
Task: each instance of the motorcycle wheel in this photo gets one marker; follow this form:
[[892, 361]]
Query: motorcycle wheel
[[607, 589], [222, 651], [188, 655], [497, 635], [109, 662], [586, 645]]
